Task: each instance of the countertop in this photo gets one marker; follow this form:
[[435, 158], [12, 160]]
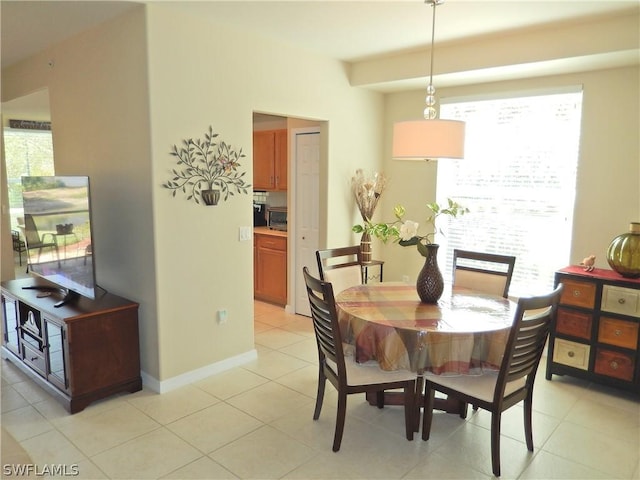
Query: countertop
[[268, 231]]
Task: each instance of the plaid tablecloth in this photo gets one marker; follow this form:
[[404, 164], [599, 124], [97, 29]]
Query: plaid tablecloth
[[464, 333]]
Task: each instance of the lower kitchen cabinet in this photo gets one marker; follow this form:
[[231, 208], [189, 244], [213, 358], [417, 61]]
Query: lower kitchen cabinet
[[596, 332], [270, 268]]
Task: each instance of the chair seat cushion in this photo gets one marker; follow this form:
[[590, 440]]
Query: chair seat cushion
[[370, 373], [478, 386]]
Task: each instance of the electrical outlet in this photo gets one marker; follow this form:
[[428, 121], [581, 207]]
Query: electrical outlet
[[222, 316]]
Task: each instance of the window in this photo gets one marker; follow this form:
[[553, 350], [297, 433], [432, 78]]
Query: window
[[27, 152], [518, 179]]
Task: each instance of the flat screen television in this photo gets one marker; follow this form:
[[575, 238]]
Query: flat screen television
[[58, 234]]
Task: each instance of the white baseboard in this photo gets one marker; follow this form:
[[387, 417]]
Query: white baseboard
[[198, 374]]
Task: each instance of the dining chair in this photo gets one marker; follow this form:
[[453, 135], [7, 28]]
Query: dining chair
[[513, 382], [18, 244], [340, 266], [34, 241], [486, 272], [347, 376]]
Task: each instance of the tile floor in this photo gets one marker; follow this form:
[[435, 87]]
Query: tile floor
[[255, 422]]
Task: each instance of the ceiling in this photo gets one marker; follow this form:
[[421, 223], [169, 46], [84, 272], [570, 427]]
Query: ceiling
[[351, 31], [346, 30]]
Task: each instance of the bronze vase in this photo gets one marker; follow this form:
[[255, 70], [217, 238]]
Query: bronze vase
[[210, 197], [430, 284], [365, 248]]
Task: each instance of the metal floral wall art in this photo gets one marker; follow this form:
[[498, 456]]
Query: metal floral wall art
[[207, 170]]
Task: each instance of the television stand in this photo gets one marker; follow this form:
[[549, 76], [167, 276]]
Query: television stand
[[79, 352]]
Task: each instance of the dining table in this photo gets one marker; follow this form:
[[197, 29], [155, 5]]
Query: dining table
[[464, 333]]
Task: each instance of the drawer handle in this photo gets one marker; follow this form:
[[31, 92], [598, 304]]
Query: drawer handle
[[576, 293], [614, 365], [617, 332], [33, 359], [570, 354], [621, 301]]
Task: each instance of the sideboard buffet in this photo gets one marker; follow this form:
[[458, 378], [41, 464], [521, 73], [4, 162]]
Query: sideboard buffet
[[80, 352], [596, 333]]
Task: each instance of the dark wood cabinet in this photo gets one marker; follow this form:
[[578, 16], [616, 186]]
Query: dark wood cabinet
[[596, 332], [79, 352]]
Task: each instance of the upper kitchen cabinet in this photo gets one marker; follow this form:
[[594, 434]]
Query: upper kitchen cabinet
[[270, 160]]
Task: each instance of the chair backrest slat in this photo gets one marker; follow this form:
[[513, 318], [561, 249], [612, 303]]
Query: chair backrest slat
[[325, 320], [527, 339], [486, 272]]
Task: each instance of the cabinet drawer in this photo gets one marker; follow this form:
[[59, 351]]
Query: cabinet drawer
[[625, 301], [580, 294], [618, 332], [576, 324], [34, 359], [571, 353], [273, 242], [614, 364]]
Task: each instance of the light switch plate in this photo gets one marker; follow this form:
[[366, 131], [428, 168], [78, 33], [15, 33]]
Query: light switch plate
[[244, 234]]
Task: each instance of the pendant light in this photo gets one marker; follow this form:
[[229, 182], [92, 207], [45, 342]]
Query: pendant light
[[431, 138]]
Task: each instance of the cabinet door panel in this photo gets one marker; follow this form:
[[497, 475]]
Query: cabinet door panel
[[571, 353], [281, 159], [618, 332], [263, 160], [614, 364], [621, 300], [573, 323]]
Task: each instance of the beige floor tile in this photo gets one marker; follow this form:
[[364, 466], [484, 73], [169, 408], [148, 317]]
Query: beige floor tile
[[214, 427], [31, 391], [227, 384], [10, 373], [301, 325], [594, 449], [546, 466], [436, 467], [259, 327], [11, 399], [87, 470], [98, 432], [606, 418], [169, 407], [152, 455], [303, 380], [471, 446], [277, 338], [274, 364], [264, 453], [269, 401], [306, 350], [203, 469], [26, 422], [52, 448]]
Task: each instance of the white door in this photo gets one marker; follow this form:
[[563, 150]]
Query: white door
[[307, 215]]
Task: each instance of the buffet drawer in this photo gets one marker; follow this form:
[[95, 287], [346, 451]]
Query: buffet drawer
[[618, 332], [272, 242], [614, 364], [580, 294], [576, 324], [572, 354], [625, 301], [34, 359]]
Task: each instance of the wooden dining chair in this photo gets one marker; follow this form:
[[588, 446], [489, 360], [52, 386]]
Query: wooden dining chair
[[340, 266], [485, 272], [513, 382], [342, 371]]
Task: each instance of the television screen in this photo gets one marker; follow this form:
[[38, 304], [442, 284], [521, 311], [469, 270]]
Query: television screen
[[57, 230]]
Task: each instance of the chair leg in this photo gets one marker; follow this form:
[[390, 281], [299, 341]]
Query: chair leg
[[528, 431], [340, 416], [495, 442], [409, 409], [322, 381], [427, 414]]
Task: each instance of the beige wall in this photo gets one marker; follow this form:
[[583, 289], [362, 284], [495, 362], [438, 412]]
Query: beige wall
[[608, 182]]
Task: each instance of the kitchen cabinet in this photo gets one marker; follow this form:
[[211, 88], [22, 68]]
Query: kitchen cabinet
[[270, 160], [270, 267], [596, 333]]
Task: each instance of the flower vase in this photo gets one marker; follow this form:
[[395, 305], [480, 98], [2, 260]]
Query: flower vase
[[210, 197], [623, 255], [430, 284], [365, 248]]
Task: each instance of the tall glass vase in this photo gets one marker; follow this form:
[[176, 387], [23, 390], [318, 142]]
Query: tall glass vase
[[430, 284]]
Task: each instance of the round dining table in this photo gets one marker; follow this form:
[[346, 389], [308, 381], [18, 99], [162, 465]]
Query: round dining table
[[464, 333]]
